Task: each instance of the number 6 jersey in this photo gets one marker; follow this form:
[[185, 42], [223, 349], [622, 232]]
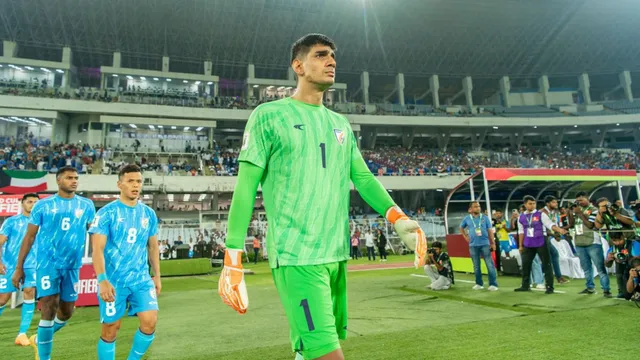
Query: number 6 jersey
[[307, 153], [62, 235], [128, 229]]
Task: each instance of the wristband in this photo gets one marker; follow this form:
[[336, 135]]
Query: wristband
[[102, 277]]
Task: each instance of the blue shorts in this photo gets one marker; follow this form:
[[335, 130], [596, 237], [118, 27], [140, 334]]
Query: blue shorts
[[58, 281], [6, 286], [139, 298]]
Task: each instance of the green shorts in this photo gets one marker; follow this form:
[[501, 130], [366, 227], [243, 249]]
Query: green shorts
[[315, 302]]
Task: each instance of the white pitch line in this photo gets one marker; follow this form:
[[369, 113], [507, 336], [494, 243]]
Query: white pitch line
[[473, 282], [383, 268]]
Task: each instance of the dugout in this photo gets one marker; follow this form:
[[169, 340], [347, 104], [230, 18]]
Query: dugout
[[503, 189]]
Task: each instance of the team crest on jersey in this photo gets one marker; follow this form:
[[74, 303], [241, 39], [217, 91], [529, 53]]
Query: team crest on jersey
[[339, 136], [144, 222], [79, 213]]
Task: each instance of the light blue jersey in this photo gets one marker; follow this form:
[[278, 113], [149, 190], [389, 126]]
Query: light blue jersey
[[14, 228], [63, 230], [128, 229]]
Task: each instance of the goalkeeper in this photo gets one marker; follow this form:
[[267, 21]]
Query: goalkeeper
[[304, 157]]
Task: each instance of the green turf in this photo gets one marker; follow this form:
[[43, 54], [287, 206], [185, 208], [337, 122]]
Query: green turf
[[185, 267], [391, 316]]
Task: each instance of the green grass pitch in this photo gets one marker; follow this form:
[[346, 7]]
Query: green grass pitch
[[391, 316]]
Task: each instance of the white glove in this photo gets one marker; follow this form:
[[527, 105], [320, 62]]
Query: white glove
[[410, 233]]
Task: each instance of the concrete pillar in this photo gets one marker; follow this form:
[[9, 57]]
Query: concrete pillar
[[467, 86], [556, 138], [543, 88], [585, 85], [117, 59], [116, 84], [516, 139], [505, 88], [400, 88], [211, 138], [214, 202], [165, 64], [358, 136], [477, 139], [443, 138], [408, 134], [251, 71], [102, 83], [434, 86], [364, 85], [597, 137], [67, 55], [625, 83], [10, 49], [370, 137], [65, 79], [208, 65], [216, 87]]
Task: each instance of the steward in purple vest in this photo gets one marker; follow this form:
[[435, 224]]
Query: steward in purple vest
[[531, 226]]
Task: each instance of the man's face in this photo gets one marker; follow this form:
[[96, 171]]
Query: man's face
[[582, 201], [602, 207], [530, 205], [437, 250], [618, 242], [68, 181], [317, 67], [130, 185], [28, 203], [553, 204], [475, 208], [563, 210], [498, 214], [618, 203]]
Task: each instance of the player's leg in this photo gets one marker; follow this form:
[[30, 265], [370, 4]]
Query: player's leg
[[28, 308], [4, 299], [48, 292], [6, 289], [306, 295], [110, 315], [143, 303], [68, 297]]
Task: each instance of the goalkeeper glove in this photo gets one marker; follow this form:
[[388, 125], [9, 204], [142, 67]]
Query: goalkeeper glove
[[231, 286], [410, 233]]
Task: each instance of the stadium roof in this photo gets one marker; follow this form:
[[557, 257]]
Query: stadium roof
[[418, 37]]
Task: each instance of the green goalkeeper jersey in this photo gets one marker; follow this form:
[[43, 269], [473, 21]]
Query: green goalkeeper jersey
[[306, 152]]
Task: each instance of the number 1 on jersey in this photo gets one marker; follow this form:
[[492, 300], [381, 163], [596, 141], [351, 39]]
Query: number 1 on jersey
[[323, 149]]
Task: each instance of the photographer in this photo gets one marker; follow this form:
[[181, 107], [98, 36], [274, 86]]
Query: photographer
[[588, 243], [551, 210], [633, 283], [438, 268], [612, 217], [621, 253]]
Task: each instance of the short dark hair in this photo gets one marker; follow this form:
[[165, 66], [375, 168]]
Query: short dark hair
[[582, 194], [129, 168], [635, 262], [528, 198], [601, 200], [549, 198], [437, 244], [29, 195], [304, 44], [65, 169], [473, 202], [615, 235]]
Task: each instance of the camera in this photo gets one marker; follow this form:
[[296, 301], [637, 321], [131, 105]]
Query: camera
[[431, 251], [613, 208], [572, 205], [620, 257]]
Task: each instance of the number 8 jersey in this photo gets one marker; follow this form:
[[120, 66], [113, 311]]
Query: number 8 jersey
[[128, 229], [62, 235], [306, 152]]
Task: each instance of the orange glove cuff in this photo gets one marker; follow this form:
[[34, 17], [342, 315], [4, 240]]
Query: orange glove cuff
[[394, 214]]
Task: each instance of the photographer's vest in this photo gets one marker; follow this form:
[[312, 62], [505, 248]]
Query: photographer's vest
[[533, 229], [583, 235]]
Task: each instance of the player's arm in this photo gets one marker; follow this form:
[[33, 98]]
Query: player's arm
[[378, 198], [154, 259], [3, 239], [107, 292], [25, 248]]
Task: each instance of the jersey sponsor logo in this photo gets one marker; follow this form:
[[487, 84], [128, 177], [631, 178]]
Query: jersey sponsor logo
[[78, 213], [152, 292], [339, 136], [144, 222], [245, 142], [299, 126]]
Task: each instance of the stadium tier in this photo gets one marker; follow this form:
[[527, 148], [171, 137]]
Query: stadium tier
[[390, 180]]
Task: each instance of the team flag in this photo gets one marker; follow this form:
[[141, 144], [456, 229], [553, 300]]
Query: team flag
[[20, 182]]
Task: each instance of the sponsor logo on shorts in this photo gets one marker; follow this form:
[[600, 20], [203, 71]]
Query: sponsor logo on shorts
[[152, 292]]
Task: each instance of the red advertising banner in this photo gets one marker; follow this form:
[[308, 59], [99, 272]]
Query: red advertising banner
[[87, 287], [10, 204]]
